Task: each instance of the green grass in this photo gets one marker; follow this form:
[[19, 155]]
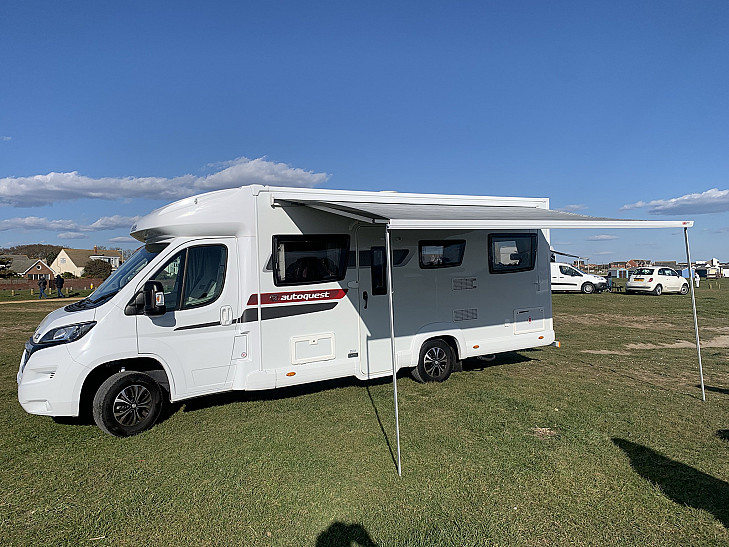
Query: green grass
[[602, 442]]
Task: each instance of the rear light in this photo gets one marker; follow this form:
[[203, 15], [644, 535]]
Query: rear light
[[650, 280]]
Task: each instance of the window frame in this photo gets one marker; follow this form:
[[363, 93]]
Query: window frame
[[344, 246], [512, 269], [183, 276], [442, 243]]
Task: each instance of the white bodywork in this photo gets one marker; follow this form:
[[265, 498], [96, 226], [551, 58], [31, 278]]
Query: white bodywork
[[568, 278], [257, 335]]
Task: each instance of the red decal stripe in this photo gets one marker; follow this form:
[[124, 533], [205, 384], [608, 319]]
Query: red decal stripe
[[302, 296]]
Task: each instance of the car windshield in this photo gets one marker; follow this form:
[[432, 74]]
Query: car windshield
[[644, 271], [126, 272]]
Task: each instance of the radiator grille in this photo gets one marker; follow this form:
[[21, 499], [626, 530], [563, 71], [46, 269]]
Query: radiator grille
[[465, 315], [464, 283]]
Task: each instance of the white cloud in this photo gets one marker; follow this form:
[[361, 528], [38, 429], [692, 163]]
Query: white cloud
[[123, 239], [5, 138], [54, 187], [601, 237], [66, 226], [572, 208], [711, 201], [72, 235], [601, 253]]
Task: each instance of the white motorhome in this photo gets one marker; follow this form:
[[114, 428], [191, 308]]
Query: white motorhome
[[568, 278], [261, 287]]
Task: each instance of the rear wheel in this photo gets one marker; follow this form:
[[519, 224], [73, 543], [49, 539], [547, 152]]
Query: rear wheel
[[127, 403], [588, 288], [684, 289], [436, 362], [658, 291]]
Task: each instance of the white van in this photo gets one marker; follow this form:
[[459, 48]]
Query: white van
[[569, 278], [257, 288]]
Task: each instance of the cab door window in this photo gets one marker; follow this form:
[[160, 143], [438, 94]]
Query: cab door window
[[193, 277], [204, 275]]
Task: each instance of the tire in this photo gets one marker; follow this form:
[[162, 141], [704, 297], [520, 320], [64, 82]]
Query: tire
[[436, 362], [658, 291], [588, 288], [684, 289], [127, 404]]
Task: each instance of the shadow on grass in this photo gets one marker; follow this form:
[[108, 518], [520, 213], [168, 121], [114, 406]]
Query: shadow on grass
[[714, 389], [340, 534], [723, 434], [680, 482], [382, 428], [508, 358]]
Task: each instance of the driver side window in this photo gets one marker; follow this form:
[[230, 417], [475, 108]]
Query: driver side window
[[193, 277]]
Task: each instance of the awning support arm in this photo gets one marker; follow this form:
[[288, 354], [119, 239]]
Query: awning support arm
[[693, 305], [388, 263]]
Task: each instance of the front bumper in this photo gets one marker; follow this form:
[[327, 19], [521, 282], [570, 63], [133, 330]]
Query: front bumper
[[49, 381]]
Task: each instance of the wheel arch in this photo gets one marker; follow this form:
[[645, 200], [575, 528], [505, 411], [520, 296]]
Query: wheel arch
[[450, 333], [102, 372]]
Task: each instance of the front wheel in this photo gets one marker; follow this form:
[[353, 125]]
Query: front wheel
[[436, 362], [684, 289], [588, 288], [127, 404], [658, 291]]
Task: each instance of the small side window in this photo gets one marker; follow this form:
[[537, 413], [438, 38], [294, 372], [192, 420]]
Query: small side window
[[514, 253], [378, 270], [309, 259], [441, 254]]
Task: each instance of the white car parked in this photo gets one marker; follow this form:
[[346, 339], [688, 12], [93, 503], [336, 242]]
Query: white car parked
[[656, 281], [568, 278]]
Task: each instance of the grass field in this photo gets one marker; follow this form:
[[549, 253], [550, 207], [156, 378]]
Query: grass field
[[603, 442]]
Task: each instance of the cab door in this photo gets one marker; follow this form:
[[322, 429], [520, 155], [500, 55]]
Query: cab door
[[195, 336]]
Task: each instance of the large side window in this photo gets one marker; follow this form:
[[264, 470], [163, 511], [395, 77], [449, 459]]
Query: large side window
[[193, 277], [512, 252], [204, 275], [309, 259], [441, 254]]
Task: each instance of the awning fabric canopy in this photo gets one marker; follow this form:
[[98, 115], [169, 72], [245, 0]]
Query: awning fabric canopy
[[413, 216]]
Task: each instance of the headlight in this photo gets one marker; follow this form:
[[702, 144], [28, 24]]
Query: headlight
[[69, 333]]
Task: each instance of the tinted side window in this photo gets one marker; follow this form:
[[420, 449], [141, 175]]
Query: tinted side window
[[379, 270], [441, 254], [513, 253], [309, 259], [204, 275]]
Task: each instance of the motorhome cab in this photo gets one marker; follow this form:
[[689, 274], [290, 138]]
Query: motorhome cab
[[568, 278], [258, 288]]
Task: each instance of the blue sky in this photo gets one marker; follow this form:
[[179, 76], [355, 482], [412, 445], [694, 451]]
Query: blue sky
[[618, 109]]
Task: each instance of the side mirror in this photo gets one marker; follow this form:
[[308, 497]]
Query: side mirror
[[154, 298]]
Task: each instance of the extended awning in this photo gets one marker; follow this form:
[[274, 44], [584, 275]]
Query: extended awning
[[434, 216], [400, 213]]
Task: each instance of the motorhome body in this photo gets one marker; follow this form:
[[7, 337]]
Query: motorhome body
[[258, 288]]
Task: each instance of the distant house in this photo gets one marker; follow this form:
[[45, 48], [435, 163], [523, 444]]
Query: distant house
[[30, 268], [74, 260], [630, 264]]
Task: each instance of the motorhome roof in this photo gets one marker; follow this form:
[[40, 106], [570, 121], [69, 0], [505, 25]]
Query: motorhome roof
[[231, 212]]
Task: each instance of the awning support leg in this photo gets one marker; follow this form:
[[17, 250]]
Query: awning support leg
[[693, 305], [388, 252]]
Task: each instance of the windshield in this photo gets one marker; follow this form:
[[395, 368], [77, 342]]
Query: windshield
[[125, 273]]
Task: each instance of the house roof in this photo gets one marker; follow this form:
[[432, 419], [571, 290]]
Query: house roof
[[21, 263], [81, 256]]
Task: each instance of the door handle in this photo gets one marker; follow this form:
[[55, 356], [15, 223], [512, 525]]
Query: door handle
[[226, 315], [365, 297]]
